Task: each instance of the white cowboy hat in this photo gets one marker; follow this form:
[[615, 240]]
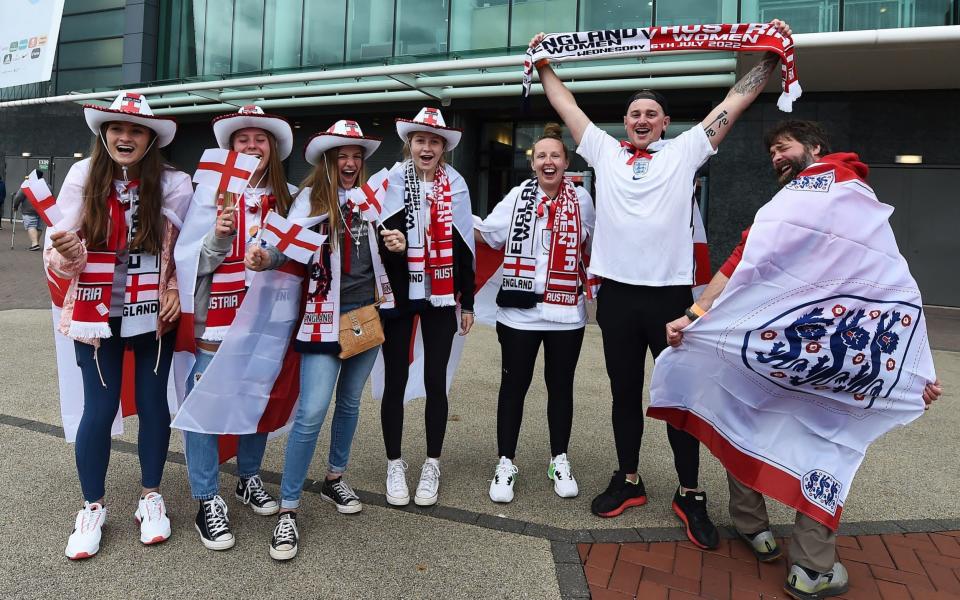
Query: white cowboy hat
[[132, 108], [253, 116], [431, 121], [342, 133]]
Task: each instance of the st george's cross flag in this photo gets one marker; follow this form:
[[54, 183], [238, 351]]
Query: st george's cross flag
[[370, 195], [225, 170], [816, 347], [293, 240], [38, 193]]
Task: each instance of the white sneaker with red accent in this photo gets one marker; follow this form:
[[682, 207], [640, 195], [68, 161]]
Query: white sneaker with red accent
[[152, 516], [84, 542]]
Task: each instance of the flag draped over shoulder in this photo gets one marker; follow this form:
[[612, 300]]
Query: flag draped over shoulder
[[816, 347], [618, 43]]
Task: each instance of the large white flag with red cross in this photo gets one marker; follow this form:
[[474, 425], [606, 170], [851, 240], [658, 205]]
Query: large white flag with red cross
[[293, 240], [38, 193], [225, 170]]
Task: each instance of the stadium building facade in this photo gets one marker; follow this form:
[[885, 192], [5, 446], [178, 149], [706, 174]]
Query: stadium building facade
[[881, 75]]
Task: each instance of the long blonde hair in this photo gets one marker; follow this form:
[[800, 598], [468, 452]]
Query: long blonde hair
[[323, 181], [275, 177]]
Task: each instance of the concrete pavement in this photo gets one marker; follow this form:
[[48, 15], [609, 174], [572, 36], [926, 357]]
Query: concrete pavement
[[465, 547]]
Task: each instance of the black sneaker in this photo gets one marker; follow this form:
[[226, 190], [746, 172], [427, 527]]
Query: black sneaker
[[250, 491], [283, 545], [34, 248], [692, 510], [339, 493], [620, 495], [213, 525]]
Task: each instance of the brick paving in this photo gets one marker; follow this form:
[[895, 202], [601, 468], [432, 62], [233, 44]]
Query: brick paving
[[917, 566]]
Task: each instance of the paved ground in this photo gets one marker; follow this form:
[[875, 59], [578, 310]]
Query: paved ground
[[466, 546]]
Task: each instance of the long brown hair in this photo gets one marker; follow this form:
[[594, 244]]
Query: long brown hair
[[275, 177], [95, 224], [323, 182]]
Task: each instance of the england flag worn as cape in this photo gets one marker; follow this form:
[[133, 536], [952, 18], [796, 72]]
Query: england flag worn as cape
[[816, 347]]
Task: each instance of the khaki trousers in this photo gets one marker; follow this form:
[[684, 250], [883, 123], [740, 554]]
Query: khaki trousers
[[812, 545]]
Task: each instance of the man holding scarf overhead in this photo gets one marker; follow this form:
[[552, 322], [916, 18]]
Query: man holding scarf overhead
[[643, 249]]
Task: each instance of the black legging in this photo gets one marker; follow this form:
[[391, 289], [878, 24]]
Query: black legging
[[438, 326], [518, 351], [633, 318]]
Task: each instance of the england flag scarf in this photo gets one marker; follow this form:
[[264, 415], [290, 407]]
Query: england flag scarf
[[228, 283], [562, 287], [94, 288], [816, 347], [618, 43], [429, 245]]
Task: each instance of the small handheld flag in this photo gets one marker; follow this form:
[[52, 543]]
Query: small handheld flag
[[38, 193], [225, 170]]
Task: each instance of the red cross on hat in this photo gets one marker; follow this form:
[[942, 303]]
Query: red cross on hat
[[353, 130], [430, 116], [131, 103]]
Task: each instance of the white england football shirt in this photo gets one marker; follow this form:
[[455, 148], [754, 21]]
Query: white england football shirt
[[643, 234]]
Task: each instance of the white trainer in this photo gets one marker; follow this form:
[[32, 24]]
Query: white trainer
[[563, 482], [84, 542], [152, 516], [501, 486], [397, 492], [428, 490]]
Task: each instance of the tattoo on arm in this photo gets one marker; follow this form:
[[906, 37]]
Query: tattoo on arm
[[714, 126], [756, 77]]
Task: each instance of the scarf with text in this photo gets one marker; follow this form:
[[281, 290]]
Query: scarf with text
[[561, 289], [430, 245], [228, 283], [94, 288], [617, 43]]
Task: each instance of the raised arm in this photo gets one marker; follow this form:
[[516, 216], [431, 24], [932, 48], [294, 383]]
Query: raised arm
[[742, 94], [560, 97]]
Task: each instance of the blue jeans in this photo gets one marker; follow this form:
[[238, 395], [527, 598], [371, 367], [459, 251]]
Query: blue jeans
[[102, 399], [318, 375], [203, 451]]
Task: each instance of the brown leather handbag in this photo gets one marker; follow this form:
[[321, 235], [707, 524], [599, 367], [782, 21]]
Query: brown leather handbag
[[360, 330]]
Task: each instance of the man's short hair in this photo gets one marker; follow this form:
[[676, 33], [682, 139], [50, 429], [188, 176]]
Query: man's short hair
[[648, 95], [808, 133]]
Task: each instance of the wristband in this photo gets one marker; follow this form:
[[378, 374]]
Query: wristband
[[691, 315], [695, 309], [542, 63]]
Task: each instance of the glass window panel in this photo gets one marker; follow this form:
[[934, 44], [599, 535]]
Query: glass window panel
[[689, 12], [804, 16], [615, 14], [85, 79], [323, 30], [101, 53], [192, 37], [168, 50], [77, 6], [247, 35], [369, 30], [421, 27], [532, 16], [479, 24], [93, 25], [281, 33], [886, 14], [217, 37]]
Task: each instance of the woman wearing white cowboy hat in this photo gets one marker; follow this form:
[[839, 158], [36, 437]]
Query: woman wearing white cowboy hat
[[344, 275], [429, 201], [123, 208], [209, 257]]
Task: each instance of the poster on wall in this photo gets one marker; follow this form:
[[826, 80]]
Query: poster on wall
[[28, 42]]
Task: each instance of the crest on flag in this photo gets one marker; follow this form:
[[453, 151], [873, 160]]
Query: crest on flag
[[822, 489], [841, 345]]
